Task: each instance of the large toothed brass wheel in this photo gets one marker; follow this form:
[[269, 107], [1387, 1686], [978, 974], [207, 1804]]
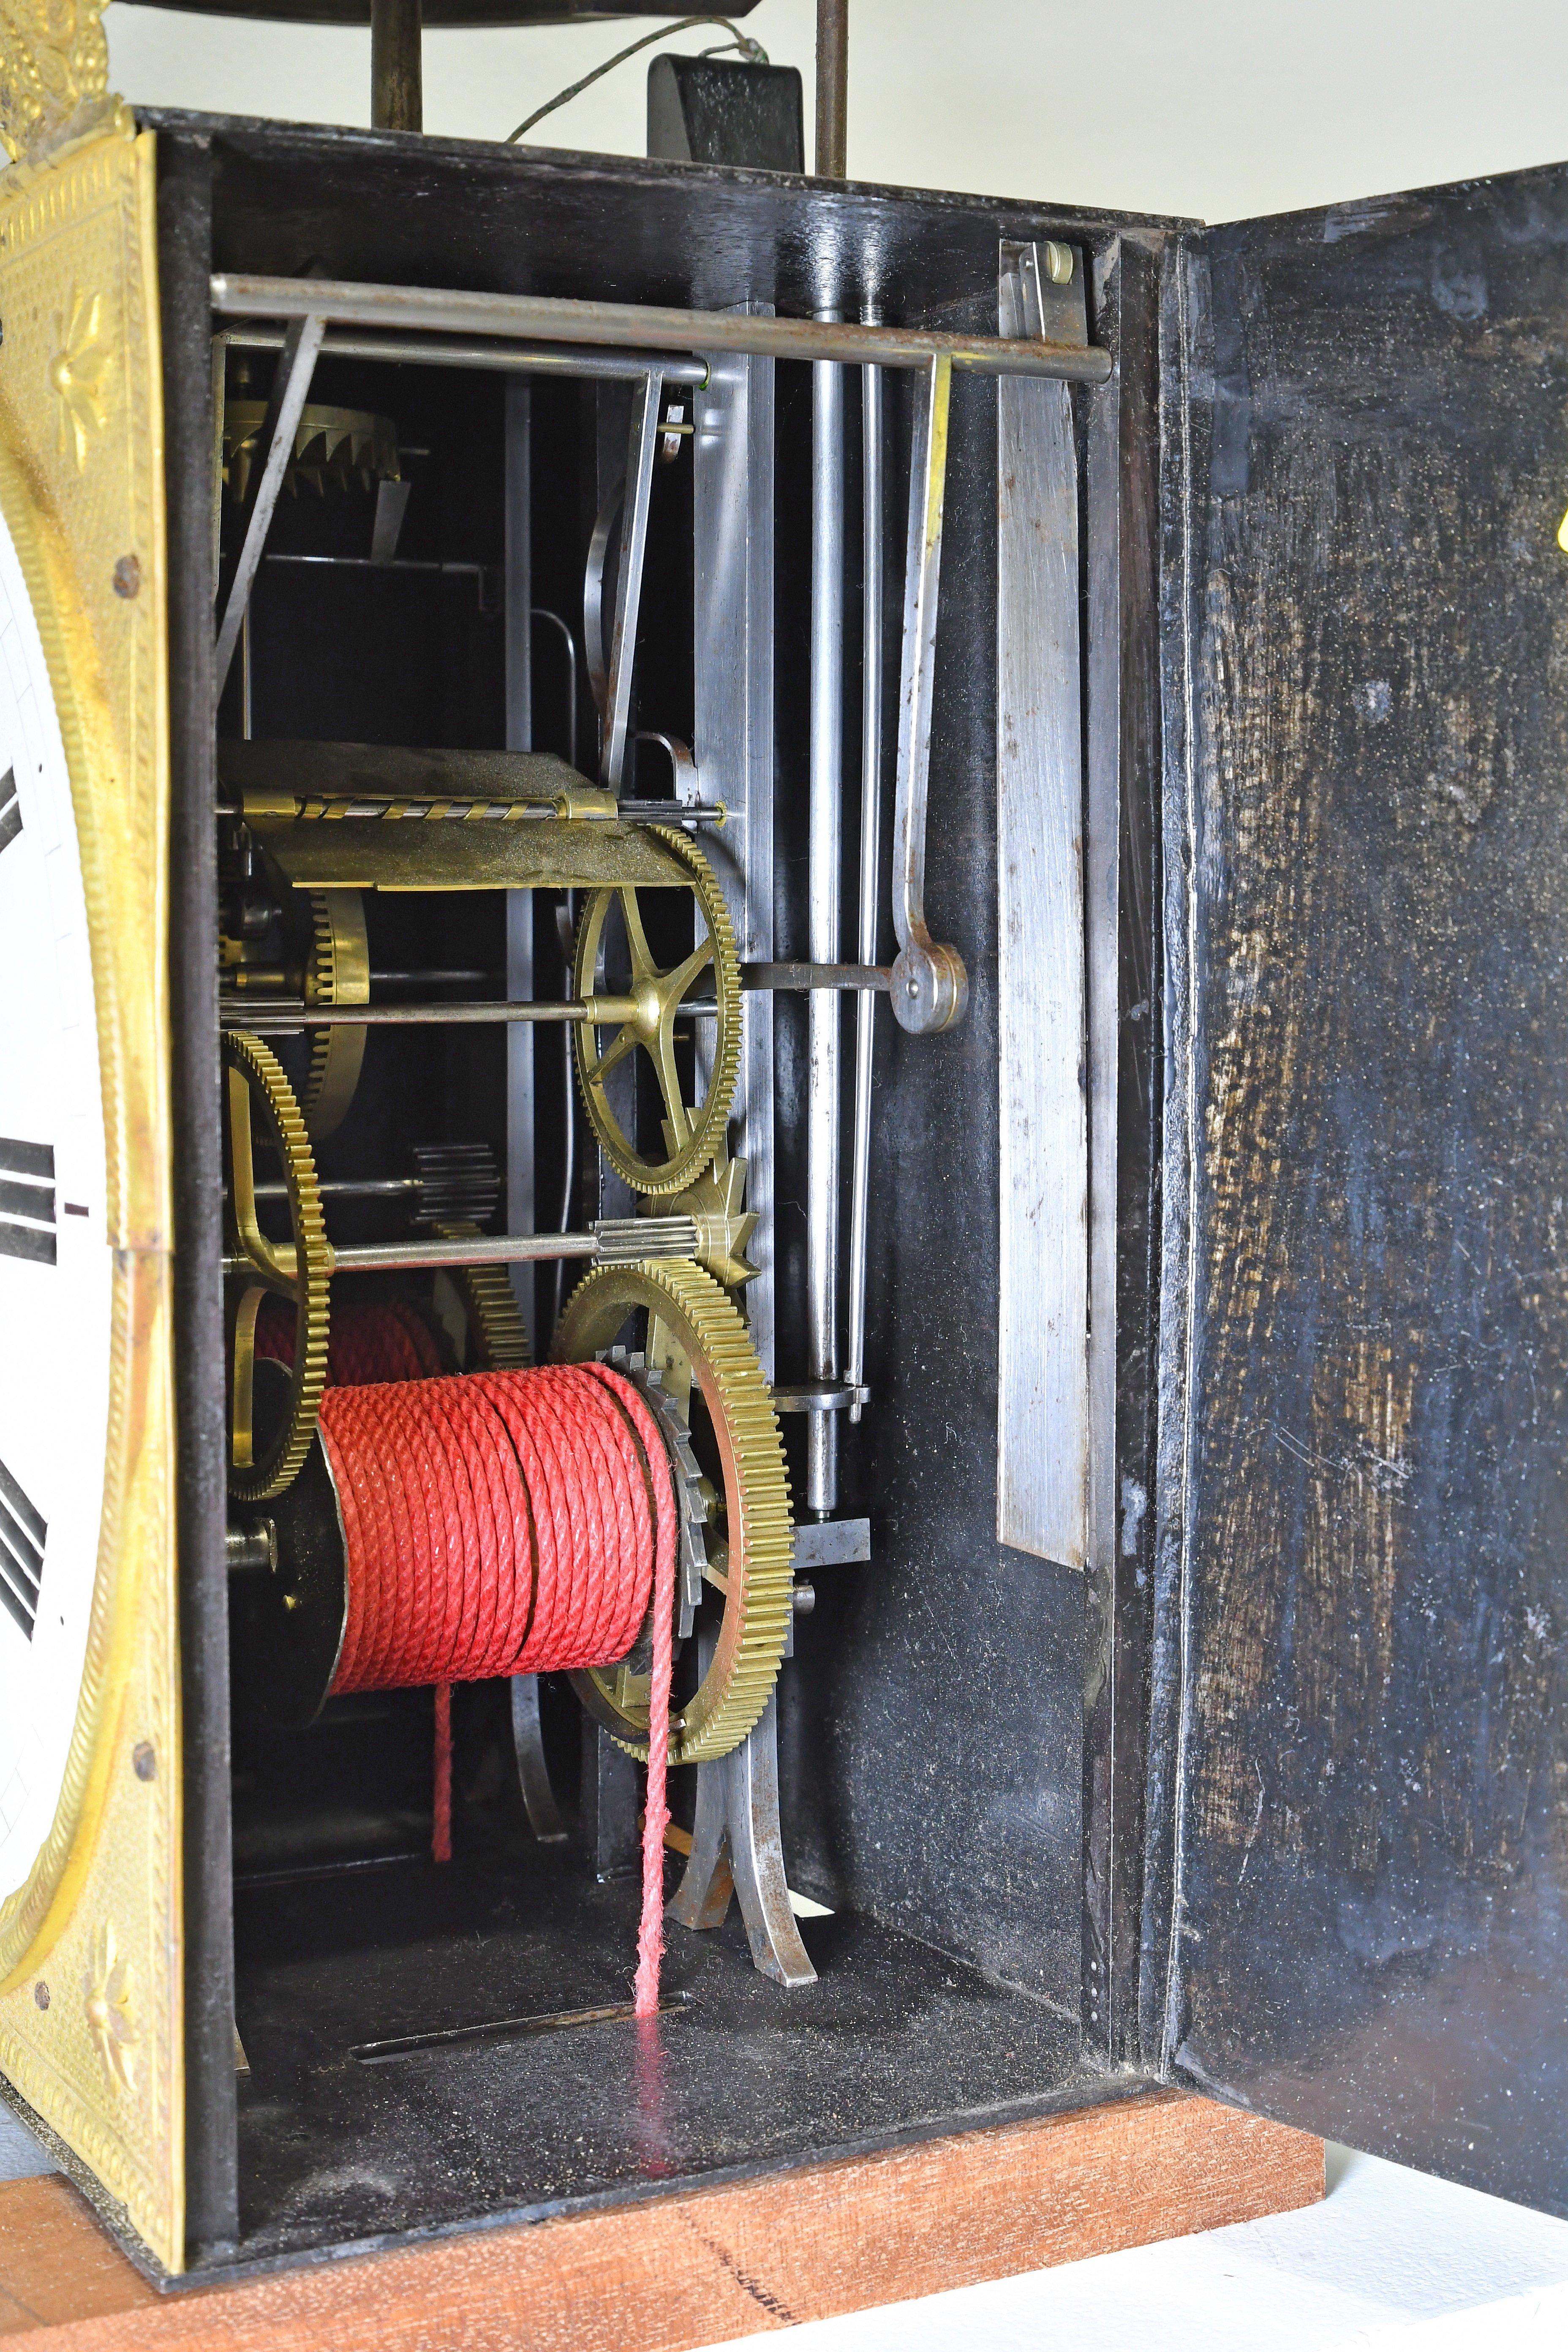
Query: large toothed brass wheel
[[299, 1270], [693, 1329], [638, 1000]]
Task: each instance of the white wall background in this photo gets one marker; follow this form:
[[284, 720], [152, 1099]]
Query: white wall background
[[1216, 109]]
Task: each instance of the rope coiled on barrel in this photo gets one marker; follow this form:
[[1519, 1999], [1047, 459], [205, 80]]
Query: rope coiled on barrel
[[508, 1523]]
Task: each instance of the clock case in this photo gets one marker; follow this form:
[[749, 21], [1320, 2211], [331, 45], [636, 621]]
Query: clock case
[[1270, 1796]]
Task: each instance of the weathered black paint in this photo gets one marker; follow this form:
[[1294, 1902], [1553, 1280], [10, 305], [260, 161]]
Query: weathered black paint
[[468, 214], [1119, 471], [717, 110], [184, 264], [1364, 1509]]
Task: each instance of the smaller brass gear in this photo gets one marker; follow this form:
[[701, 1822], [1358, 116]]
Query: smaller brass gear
[[646, 1018], [716, 1205], [298, 1270], [338, 974], [498, 1336], [753, 1570]]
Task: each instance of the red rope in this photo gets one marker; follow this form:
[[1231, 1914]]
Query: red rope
[[382, 1341], [441, 1831], [506, 1523], [650, 1931]]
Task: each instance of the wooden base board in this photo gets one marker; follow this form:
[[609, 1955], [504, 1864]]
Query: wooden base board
[[696, 2269]]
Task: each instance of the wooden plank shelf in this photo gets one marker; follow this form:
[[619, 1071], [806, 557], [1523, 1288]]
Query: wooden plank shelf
[[698, 2268]]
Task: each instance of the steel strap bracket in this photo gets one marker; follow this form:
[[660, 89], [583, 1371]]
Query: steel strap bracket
[[291, 384]]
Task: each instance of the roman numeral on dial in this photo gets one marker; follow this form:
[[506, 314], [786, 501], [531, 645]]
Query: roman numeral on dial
[[10, 809], [23, 1532], [27, 1201]]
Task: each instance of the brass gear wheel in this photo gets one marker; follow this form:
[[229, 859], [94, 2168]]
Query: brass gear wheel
[[646, 1017], [754, 1575], [497, 1333], [338, 974], [333, 449], [300, 1270]]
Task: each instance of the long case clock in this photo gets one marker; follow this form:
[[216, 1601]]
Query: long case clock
[[1194, 1714]]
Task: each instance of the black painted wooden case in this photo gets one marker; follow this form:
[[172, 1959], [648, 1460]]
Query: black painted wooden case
[[1274, 1799], [1363, 1679]]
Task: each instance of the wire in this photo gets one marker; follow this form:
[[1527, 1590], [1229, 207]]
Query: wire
[[753, 51]]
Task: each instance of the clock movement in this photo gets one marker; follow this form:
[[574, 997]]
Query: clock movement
[[779, 1141]]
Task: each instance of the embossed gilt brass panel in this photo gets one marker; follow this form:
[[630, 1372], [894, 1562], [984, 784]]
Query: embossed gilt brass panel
[[90, 2020]]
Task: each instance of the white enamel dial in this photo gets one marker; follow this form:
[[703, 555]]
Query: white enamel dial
[[54, 1261]]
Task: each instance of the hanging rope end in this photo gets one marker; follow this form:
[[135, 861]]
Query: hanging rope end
[[441, 1826]]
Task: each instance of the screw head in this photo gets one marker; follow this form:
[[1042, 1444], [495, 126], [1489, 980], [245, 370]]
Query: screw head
[[144, 1760], [128, 576], [41, 1993]]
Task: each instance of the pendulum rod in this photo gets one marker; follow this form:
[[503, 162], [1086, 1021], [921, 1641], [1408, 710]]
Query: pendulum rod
[[870, 847], [826, 811], [832, 88]]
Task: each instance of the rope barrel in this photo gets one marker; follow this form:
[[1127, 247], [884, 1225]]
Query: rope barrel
[[508, 1523]]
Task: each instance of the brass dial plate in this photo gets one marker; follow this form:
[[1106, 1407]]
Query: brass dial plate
[[99, 1925]]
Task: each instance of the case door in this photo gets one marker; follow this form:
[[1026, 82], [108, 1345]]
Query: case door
[[1364, 1432]]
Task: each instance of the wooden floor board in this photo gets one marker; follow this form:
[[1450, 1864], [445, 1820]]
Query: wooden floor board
[[697, 2268]]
